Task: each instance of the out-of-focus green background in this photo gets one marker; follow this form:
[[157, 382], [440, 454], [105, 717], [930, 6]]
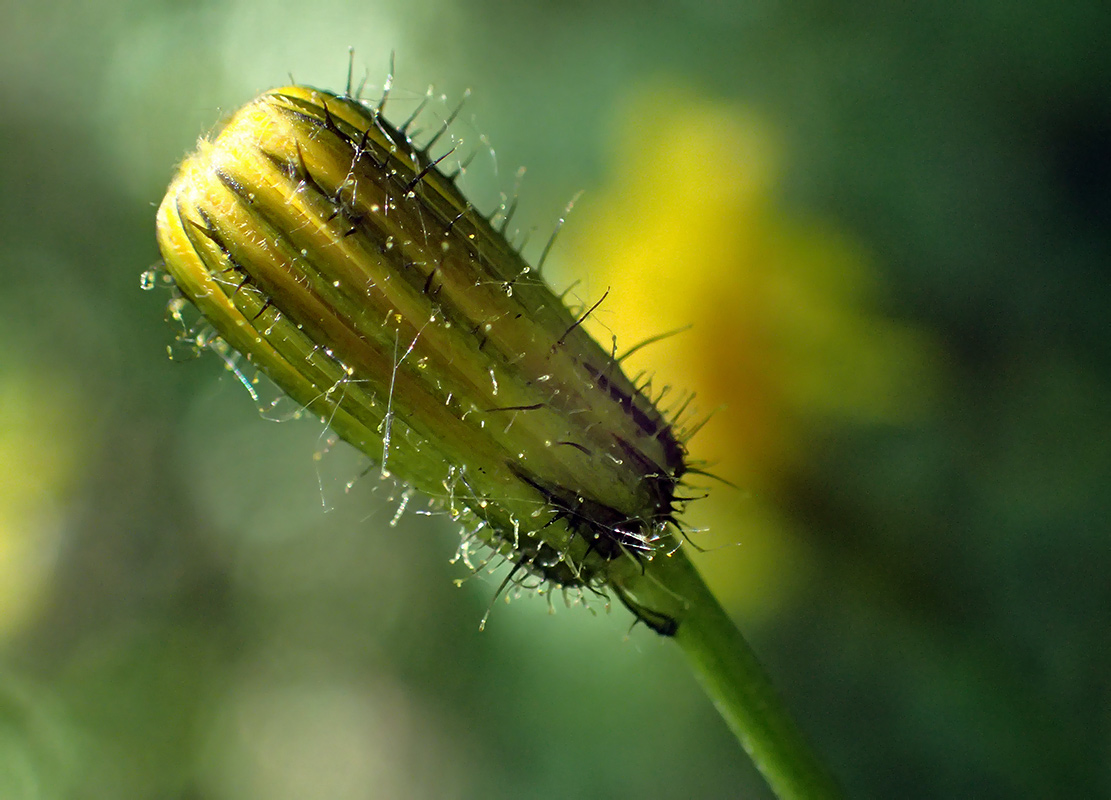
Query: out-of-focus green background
[[889, 227]]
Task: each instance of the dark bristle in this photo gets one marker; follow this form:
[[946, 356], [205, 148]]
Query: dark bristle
[[533, 407], [463, 165], [350, 71], [428, 281], [268, 304], [577, 446], [246, 280], [579, 321], [329, 123], [508, 216], [386, 87], [447, 123], [404, 127], [459, 216], [361, 149], [428, 168]]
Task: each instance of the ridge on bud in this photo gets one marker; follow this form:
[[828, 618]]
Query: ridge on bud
[[336, 257]]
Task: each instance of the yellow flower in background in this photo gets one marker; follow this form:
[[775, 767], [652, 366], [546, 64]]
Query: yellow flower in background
[[784, 335], [39, 451]]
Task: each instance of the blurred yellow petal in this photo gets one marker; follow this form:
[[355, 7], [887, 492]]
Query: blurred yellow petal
[[784, 334], [39, 449]]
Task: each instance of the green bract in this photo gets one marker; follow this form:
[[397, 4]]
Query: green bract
[[330, 251]]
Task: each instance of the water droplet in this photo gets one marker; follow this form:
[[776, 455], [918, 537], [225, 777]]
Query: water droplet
[[148, 280]]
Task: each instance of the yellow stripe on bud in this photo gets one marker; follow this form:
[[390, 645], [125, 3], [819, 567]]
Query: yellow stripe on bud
[[331, 252]]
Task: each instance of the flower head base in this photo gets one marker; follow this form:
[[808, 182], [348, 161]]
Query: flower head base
[[331, 251]]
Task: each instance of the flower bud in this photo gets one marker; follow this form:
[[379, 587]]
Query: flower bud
[[336, 257]]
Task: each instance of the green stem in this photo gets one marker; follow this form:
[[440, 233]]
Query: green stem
[[728, 670]]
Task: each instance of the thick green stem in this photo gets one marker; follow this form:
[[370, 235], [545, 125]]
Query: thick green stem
[[733, 678]]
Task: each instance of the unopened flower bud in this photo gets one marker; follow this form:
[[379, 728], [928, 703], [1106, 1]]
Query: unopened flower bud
[[337, 258]]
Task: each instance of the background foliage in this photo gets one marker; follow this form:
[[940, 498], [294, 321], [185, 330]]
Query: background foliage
[[890, 229]]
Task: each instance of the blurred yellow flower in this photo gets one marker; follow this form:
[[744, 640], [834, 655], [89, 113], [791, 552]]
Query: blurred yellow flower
[[783, 336], [39, 452]]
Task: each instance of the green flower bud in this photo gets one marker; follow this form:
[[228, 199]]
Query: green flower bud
[[331, 252]]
